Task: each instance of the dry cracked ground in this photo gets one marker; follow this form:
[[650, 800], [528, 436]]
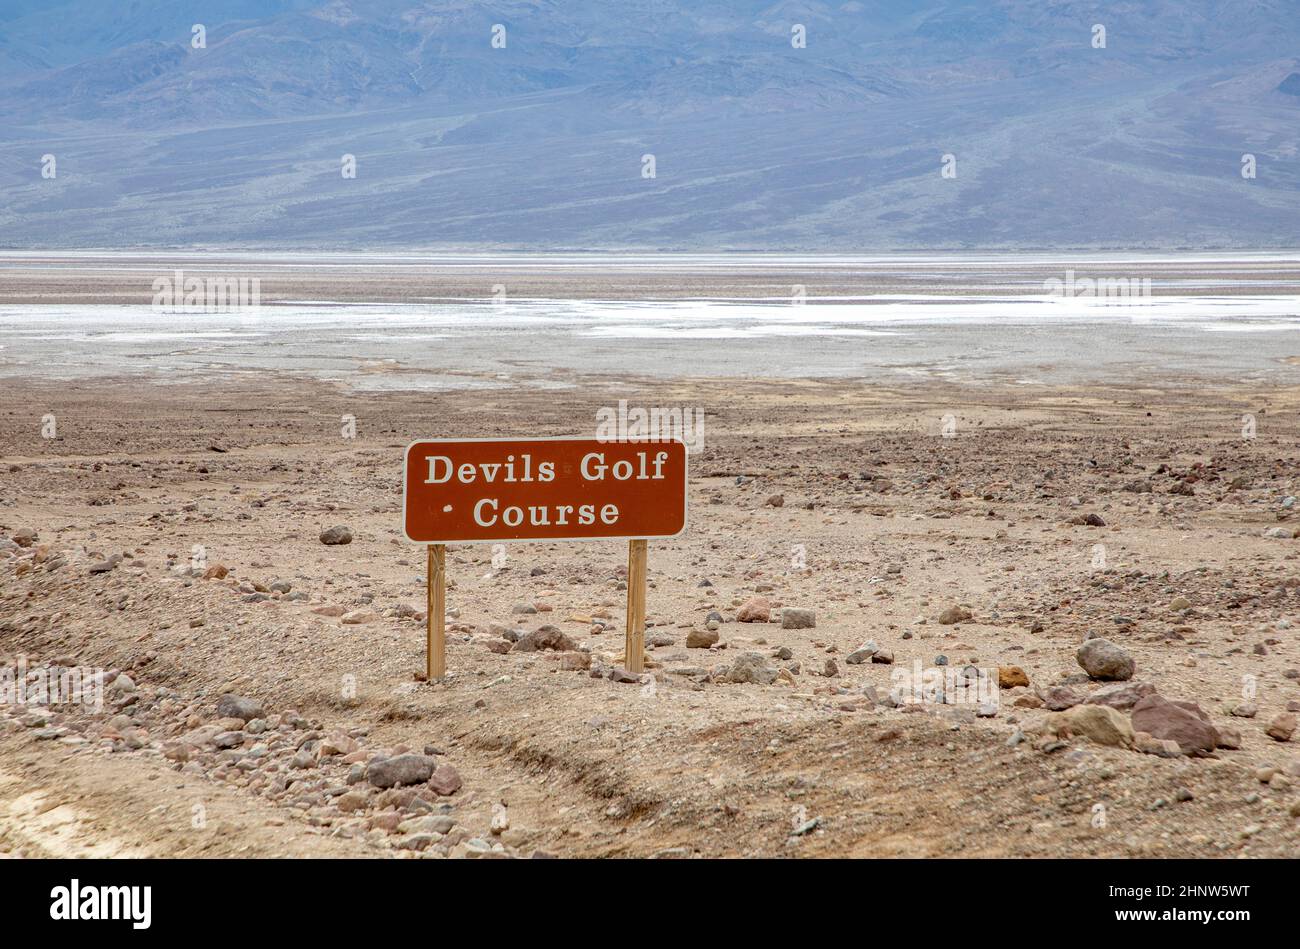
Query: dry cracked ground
[[262, 693]]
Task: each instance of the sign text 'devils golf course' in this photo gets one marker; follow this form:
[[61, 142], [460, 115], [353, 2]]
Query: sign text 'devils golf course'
[[543, 489]]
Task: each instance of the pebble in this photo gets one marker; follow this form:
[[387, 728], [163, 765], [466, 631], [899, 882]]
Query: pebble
[[400, 770], [1102, 659], [954, 614], [445, 780], [863, 653], [751, 667], [544, 637], [1282, 727], [237, 706], [336, 535], [701, 638], [798, 618]]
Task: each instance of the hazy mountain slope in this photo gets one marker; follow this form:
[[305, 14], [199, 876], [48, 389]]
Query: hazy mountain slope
[[757, 144]]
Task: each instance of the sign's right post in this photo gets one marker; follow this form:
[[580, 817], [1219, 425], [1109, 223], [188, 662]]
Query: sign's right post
[[634, 645]]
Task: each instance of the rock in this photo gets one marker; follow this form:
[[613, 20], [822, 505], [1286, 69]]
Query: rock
[[123, 683], [428, 824], [544, 637], [329, 611], [500, 820], [751, 667], [575, 661], [1029, 701], [1280, 533], [24, 536], [1163, 748], [104, 566], [358, 617], [216, 572], [336, 535], [1122, 697], [701, 638], [776, 500], [863, 653], [793, 617], [620, 674], [401, 770], [756, 610], [1097, 723], [1229, 738], [350, 801], [229, 739], [1094, 520], [1057, 698], [1010, 677], [1181, 722], [523, 609], [883, 656], [445, 780], [1102, 659], [336, 743], [954, 614], [831, 669], [1282, 727], [237, 706], [1180, 603]]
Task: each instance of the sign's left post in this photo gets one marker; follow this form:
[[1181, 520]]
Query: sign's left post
[[436, 613]]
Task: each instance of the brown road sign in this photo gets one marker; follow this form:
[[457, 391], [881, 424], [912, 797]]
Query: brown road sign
[[546, 489]]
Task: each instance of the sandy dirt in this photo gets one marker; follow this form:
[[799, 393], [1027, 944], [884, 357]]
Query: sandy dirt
[[883, 525]]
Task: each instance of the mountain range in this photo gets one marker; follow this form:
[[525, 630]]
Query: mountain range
[[527, 124]]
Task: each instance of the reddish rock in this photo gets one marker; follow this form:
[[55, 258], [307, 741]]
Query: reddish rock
[[1181, 722], [757, 610], [1282, 727], [575, 661], [545, 637], [1009, 677], [445, 780], [1058, 698]]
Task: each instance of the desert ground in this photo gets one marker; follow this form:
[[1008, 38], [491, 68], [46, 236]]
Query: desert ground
[[264, 693]]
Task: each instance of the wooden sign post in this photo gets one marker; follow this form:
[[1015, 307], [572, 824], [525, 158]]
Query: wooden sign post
[[491, 490], [436, 614], [634, 639]]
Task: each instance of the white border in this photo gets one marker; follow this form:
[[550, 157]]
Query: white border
[[686, 489]]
